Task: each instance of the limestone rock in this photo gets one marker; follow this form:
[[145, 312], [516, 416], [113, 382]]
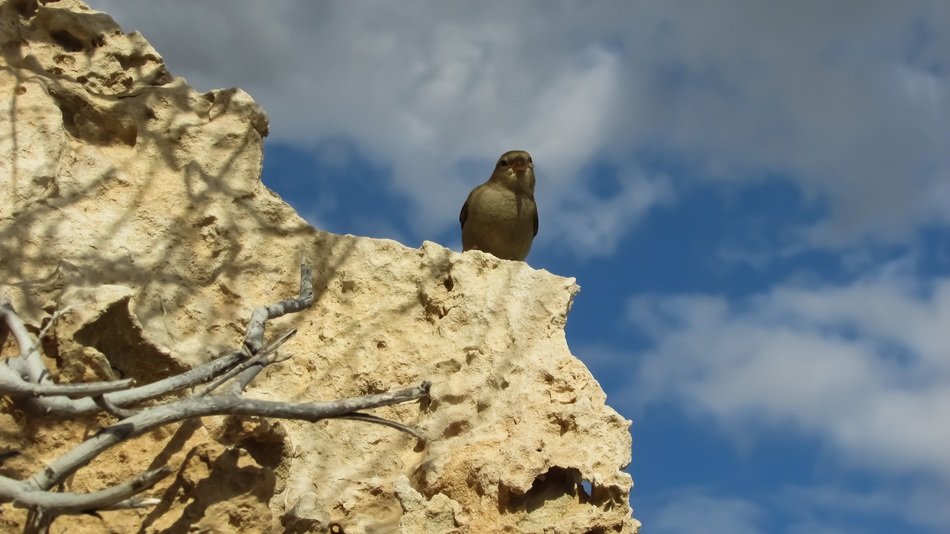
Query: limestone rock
[[133, 196]]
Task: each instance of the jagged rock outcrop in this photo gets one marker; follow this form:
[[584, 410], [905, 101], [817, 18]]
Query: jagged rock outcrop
[[126, 191]]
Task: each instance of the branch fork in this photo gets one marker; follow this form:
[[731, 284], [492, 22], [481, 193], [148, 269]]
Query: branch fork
[[26, 378]]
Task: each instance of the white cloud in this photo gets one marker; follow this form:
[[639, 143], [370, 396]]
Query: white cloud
[[689, 512], [792, 509], [865, 368], [594, 225], [850, 101], [809, 506], [861, 368]]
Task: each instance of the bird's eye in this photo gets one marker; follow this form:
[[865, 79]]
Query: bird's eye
[[502, 163]]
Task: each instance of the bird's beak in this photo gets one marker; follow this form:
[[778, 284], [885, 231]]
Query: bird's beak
[[519, 164]]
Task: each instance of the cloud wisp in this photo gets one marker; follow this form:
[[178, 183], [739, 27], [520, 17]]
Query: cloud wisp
[[864, 368], [851, 104]]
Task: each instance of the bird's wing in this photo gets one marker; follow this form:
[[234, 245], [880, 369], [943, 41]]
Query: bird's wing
[[535, 220], [464, 213]]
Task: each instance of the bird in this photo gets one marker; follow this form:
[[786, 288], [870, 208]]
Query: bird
[[500, 216]]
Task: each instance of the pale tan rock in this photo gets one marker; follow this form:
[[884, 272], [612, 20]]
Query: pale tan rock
[[438, 515], [120, 175]]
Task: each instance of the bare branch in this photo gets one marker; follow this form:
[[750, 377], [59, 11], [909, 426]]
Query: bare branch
[[32, 366], [71, 407], [365, 417], [13, 385], [108, 406], [132, 503], [254, 339], [65, 465], [26, 376], [248, 363], [28, 362], [53, 318], [54, 503]]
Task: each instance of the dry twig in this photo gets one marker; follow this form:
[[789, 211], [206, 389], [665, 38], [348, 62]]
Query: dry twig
[[26, 378]]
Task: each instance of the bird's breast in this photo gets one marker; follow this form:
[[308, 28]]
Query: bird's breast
[[503, 205]]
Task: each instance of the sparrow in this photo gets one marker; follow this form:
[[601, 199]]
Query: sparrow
[[500, 216]]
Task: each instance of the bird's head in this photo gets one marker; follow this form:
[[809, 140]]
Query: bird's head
[[516, 170]]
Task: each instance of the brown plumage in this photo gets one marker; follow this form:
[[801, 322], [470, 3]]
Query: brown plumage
[[500, 216]]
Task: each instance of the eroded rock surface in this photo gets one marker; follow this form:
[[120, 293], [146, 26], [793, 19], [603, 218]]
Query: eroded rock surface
[[128, 193]]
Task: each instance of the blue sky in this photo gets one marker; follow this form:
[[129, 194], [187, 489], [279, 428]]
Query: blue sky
[[753, 195]]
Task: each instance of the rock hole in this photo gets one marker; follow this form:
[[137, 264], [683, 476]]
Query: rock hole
[[161, 77], [26, 9], [586, 489], [564, 424], [68, 41], [292, 524], [118, 335], [84, 121], [456, 428], [449, 283], [44, 182], [551, 485], [136, 60], [206, 221], [453, 399], [448, 366], [471, 354], [434, 309]]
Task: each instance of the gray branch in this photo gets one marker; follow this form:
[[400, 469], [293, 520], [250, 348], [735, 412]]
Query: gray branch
[[62, 406], [14, 385], [22, 495], [29, 362], [26, 378], [256, 360], [254, 338], [57, 470], [29, 371], [367, 418]]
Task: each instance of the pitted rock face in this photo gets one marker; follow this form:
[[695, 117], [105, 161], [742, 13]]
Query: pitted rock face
[[120, 175]]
